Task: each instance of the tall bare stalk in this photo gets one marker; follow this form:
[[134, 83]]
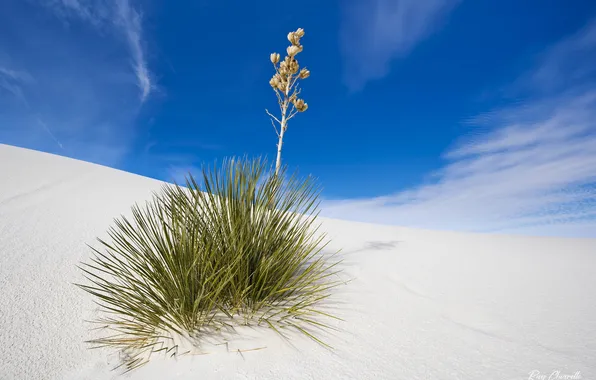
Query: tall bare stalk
[[285, 85]]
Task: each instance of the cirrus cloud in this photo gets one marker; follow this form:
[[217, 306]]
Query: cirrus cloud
[[534, 171], [375, 32]]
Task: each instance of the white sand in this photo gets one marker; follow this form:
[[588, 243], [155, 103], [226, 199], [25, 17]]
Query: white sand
[[423, 305]]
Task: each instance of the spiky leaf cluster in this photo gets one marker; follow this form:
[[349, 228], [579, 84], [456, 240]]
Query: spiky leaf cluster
[[238, 246]]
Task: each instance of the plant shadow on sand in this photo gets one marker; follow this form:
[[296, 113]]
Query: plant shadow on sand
[[349, 271]]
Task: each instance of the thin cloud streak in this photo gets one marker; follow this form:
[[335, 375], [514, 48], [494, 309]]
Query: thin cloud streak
[[21, 76], [18, 78], [375, 32], [567, 62], [131, 22], [47, 129], [12, 81], [120, 16]]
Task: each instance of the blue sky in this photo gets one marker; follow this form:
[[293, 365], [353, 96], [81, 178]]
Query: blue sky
[[462, 115]]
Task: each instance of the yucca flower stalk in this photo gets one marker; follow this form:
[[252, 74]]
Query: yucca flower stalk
[[285, 85]]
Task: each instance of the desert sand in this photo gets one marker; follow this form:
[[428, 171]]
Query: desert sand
[[422, 304]]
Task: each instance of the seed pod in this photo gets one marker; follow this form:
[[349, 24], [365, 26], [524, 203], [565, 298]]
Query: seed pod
[[274, 82], [293, 38], [293, 50], [304, 73], [300, 105], [274, 58]]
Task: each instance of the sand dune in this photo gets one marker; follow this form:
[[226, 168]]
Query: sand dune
[[423, 304]]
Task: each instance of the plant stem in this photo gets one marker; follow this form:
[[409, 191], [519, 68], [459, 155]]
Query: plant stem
[[283, 126]]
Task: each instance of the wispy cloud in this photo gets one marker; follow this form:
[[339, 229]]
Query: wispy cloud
[[92, 11], [11, 81], [70, 77], [568, 62], [118, 15], [375, 32], [20, 76], [131, 23], [533, 172]]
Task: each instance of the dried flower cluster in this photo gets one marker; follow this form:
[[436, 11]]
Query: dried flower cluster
[[285, 84]]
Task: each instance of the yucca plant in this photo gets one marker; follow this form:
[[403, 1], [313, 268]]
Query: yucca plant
[[242, 247]]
